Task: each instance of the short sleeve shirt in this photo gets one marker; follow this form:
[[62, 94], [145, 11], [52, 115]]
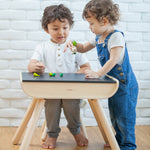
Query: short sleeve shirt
[[116, 39], [56, 60]]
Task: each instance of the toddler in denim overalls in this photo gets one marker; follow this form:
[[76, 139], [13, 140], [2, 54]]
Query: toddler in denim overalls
[[112, 53], [122, 105]]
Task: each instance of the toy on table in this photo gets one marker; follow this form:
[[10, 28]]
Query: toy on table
[[52, 74], [36, 74], [74, 49], [61, 74]]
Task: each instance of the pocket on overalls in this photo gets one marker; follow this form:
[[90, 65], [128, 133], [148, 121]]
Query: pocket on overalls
[[134, 92]]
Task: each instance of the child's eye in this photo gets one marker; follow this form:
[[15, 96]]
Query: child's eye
[[55, 29], [65, 27]]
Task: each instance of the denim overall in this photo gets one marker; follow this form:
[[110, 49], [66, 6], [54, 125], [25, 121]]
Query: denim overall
[[122, 105]]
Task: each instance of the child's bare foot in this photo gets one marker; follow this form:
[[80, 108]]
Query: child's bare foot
[[50, 143], [81, 139]]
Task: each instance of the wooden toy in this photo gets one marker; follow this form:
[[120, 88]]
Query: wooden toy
[[50, 74], [74, 49], [61, 74], [36, 74]]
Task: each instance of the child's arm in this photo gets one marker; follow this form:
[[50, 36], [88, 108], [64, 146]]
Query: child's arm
[[36, 66], [84, 67], [114, 57], [82, 48]]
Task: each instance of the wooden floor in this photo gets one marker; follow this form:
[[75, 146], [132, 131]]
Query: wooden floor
[[66, 140]]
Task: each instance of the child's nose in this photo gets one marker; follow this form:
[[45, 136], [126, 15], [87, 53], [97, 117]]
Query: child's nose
[[60, 31]]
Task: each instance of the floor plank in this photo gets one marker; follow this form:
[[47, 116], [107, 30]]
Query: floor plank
[[66, 140]]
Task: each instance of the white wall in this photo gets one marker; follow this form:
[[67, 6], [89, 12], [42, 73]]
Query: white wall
[[20, 31]]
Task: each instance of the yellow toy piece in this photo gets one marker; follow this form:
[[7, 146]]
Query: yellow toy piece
[[35, 74], [50, 74]]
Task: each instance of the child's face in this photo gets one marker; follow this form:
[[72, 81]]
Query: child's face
[[59, 31], [95, 26]]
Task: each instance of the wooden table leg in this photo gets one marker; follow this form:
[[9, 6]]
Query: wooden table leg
[[103, 124], [44, 124], [24, 122], [98, 122], [44, 132], [32, 124]]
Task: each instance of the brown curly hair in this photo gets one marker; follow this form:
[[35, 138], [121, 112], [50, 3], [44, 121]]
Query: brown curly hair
[[100, 9], [54, 12]]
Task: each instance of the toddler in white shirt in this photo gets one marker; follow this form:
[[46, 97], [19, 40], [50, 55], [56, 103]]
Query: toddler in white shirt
[[50, 57]]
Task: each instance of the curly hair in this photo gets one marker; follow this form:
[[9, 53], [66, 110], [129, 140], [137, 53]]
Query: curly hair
[[102, 8], [54, 12]]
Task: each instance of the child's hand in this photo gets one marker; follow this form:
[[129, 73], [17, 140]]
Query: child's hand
[[69, 44], [91, 74], [39, 67]]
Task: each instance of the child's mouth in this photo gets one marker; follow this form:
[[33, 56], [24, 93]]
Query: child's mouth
[[61, 38]]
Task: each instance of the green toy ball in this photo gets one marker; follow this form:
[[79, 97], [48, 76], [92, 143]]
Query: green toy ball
[[53, 75], [61, 74]]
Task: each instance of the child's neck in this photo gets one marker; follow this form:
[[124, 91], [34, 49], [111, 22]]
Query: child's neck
[[109, 30], [56, 42], [104, 35]]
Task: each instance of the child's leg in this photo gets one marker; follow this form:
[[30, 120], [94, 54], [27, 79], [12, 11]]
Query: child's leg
[[125, 115], [52, 113], [119, 136], [72, 112]]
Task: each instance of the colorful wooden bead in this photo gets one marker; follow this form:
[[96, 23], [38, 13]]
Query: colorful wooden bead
[[61, 74], [51, 74], [36, 74]]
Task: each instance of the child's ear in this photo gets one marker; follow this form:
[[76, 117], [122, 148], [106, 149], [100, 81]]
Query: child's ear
[[105, 21], [46, 31]]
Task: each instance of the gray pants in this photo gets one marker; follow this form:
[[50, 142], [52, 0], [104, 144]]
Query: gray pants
[[71, 110]]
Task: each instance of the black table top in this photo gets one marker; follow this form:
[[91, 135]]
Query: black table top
[[67, 77]]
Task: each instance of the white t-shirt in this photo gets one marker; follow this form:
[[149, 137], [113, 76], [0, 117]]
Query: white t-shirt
[[55, 60], [116, 39]]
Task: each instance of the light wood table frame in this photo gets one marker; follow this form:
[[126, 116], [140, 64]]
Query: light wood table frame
[[64, 90]]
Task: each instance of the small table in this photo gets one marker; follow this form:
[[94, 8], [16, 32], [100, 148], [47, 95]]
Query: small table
[[69, 86]]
